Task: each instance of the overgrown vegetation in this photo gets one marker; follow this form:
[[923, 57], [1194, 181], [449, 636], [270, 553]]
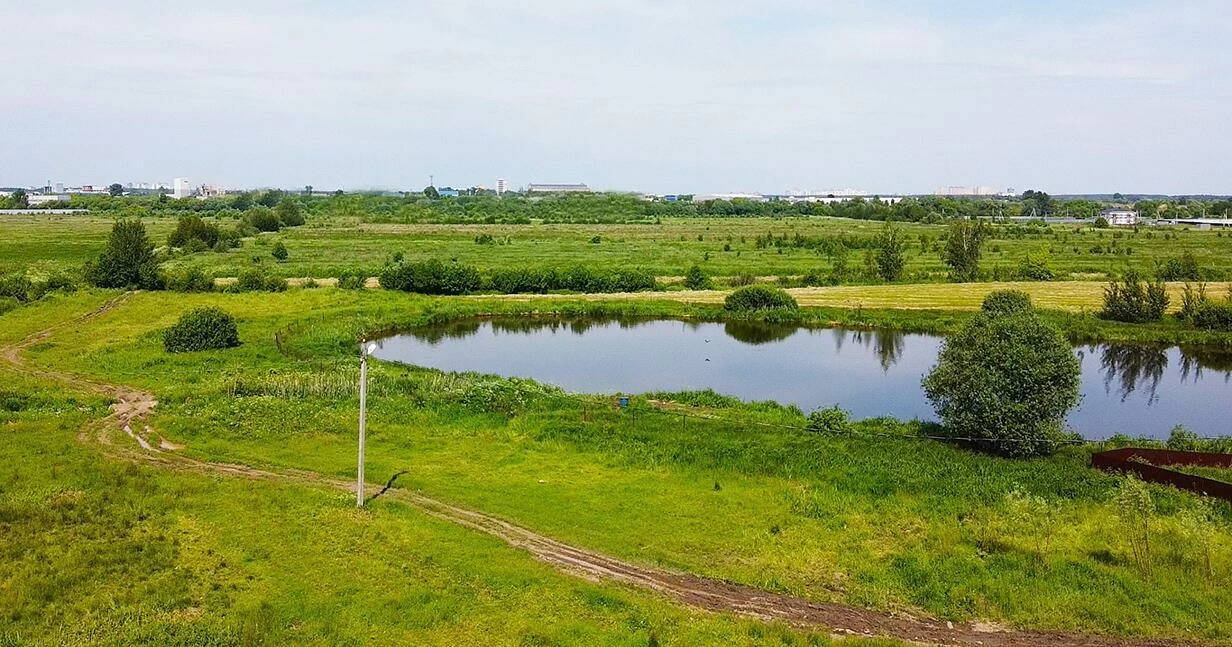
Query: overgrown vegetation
[[1133, 300]]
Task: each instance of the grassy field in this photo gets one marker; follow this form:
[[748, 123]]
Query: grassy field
[[897, 524], [326, 246], [1068, 296]]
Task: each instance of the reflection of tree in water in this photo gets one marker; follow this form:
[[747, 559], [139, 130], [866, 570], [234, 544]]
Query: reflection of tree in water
[[758, 332], [887, 344], [464, 328], [1132, 366], [1196, 359]]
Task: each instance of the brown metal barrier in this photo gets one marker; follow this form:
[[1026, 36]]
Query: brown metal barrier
[[1148, 465]]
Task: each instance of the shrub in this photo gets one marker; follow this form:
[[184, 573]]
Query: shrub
[[832, 420], [290, 212], [578, 278], [192, 228], [279, 252], [696, 278], [262, 219], [1005, 382], [759, 297], [192, 279], [1001, 302], [16, 286], [1134, 301], [742, 279], [1192, 300], [1034, 269], [1184, 268], [352, 279], [1184, 440], [430, 277], [254, 280], [201, 329], [485, 239], [128, 261], [1101, 223], [1213, 316]]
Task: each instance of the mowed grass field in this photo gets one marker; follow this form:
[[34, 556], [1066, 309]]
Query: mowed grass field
[[1070, 296], [905, 525], [327, 246]]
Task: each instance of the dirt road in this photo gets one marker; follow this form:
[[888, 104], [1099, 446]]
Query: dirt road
[[126, 435]]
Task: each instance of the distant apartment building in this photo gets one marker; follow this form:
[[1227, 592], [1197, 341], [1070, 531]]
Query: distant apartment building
[[500, 186], [557, 188], [181, 188], [1120, 217]]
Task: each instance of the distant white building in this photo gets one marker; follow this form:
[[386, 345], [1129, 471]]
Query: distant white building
[[557, 188], [971, 191], [35, 200], [181, 188], [751, 197], [500, 186], [1120, 217]]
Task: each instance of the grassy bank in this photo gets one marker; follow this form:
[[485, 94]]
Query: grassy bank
[[883, 522]]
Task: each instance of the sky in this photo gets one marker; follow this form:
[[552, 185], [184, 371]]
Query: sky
[[693, 97]]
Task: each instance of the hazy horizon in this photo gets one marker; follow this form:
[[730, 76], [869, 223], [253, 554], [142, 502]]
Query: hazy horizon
[[887, 97]]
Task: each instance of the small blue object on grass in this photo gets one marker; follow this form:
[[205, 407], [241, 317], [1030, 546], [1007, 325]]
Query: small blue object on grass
[[624, 403]]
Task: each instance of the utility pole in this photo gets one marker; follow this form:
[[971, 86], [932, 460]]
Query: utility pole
[[365, 349]]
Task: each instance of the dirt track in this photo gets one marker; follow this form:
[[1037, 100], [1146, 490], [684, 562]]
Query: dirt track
[[132, 407]]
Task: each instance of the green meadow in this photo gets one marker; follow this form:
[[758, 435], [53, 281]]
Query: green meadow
[[103, 551]]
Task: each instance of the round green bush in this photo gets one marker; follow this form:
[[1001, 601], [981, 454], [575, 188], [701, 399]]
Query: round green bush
[[1004, 302], [201, 329], [1005, 383], [759, 297]]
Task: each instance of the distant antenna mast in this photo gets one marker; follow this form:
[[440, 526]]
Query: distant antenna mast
[[431, 181]]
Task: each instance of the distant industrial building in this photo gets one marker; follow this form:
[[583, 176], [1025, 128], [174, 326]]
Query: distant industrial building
[[751, 197], [557, 188], [831, 198], [1120, 217], [500, 186], [35, 200], [181, 188], [972, 192]]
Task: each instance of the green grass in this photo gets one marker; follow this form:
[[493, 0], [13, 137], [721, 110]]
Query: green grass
[[100, 552], [327, 245], [891, 524]]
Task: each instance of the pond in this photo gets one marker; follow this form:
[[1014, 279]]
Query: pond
[[1135, 389]]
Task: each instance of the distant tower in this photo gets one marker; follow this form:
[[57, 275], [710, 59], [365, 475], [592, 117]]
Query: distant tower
[[500, 186], [181, 188]]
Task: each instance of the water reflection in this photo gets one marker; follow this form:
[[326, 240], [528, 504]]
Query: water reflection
[[1131, 366], [756, 333], [888, 345]]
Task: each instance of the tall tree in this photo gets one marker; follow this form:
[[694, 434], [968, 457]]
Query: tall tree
[[128, 260], [19, 199], [891, 253], [431, 192], [963, 248], [115, 190]]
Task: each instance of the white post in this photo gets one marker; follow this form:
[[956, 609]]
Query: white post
[[363, 410]]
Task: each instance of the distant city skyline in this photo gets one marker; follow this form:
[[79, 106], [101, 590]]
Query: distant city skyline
[[637, 95]]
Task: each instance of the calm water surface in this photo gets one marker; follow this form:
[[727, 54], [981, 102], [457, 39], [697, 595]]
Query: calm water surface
[[1139, 390]]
